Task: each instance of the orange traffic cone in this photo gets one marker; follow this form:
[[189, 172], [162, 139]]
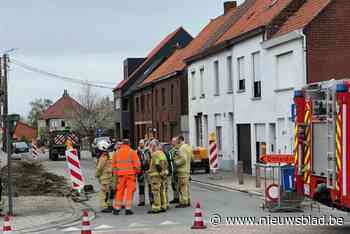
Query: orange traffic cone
[[7, 225], [198, 218], [86, 223]]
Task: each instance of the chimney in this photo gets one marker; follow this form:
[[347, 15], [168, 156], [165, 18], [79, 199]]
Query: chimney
[[228, 6], [65, 93]]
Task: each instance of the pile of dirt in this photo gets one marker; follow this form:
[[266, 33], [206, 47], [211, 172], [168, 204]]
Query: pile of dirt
[[31, 179]]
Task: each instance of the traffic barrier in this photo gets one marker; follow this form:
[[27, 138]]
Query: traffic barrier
[[7, 225], [86, 223], [198, 218], [35, 151], [75, 172], [213, 156]]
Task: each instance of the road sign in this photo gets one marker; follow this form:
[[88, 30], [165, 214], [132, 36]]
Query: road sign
[[277, 158]]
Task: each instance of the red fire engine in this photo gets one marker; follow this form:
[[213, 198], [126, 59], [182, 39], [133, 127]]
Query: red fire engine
[[322, 157]]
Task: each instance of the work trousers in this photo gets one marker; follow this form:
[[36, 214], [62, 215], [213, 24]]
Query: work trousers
[[143, 182], [184, 190], [175, 187], [126, 185], [105, 192], [160, 193]]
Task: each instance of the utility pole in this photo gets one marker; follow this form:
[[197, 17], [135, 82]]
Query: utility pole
[[7, 131]]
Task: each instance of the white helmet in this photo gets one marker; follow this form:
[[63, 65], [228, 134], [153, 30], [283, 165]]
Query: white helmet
[[103, 145]]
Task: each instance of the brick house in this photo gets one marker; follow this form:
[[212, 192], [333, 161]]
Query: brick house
[[124, 92], [161, 101], [249, 72], [58, 115], [24, 131]]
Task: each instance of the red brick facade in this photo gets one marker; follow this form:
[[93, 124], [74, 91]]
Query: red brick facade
[[328, 43], [161, 106]]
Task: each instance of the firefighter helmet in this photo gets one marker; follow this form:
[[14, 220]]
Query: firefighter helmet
[[103, 145]]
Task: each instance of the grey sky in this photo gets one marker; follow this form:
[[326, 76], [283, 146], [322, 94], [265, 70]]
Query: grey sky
[[87, 39]]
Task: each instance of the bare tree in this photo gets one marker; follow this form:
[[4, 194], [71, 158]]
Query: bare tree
[[38, 106], [95, 112]]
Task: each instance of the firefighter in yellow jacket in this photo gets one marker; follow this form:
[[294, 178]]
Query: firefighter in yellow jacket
[[183, 169], [104, 176], [158, 174]]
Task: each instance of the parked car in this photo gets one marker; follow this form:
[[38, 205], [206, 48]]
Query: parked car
[[95, 151], [20, 147]]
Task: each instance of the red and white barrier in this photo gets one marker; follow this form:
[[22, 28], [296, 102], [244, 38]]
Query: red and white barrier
[[75, 172], [213, 156], [35, 150], [7, 225]]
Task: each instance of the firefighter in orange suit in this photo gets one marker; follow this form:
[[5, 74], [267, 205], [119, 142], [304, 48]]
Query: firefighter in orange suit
[[126, 165]]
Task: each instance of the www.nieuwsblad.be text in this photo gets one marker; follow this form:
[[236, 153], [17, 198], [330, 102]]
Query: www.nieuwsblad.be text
[[304, 220]]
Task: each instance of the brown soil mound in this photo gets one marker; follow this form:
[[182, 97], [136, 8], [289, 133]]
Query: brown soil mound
[[31, 179]]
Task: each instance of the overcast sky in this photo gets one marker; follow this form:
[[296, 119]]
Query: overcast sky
[[87, 39]]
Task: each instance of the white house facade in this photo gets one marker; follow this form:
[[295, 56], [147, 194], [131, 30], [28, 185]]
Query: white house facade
[[245, 94]]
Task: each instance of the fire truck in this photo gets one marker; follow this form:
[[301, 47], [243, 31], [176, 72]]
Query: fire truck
[[321, 154]]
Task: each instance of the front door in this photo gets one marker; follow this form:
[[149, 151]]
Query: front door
[[244, 147]]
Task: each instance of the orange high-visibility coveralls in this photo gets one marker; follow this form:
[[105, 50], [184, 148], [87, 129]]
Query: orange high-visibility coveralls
[[126, 165]]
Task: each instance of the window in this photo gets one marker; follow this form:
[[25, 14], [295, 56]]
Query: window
[[216, 78], [137, 104], [142, 103], [201, 73], [165, 132], [125, 104], [172, 129], [256, 75], [229, 74], [117, 103], [163, 97], [156, 98], [285, 70], [172, 94], [219, 137], [241, 74], [193, 79], [199, 130]]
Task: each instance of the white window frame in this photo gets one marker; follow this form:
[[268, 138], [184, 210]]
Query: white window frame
[[256, 75], [193, 84], [241, 74], [229, 67], [201, 80], [216, 78]]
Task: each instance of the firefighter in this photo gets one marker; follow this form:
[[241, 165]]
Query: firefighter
[[142, 178], [126, 165], [104, 176], [174, 179], [183, 168], [158, 174]]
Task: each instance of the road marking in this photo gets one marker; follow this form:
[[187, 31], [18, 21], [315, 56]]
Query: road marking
[[103, 226], [137, 225], [168, 223], [71, 229]]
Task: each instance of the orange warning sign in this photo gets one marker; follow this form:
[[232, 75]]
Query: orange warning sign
[[277, 158]]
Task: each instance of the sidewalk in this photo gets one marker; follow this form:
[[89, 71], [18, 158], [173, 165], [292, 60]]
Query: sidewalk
[[34, 214], [229, 180]]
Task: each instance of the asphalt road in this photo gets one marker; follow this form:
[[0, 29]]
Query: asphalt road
[[215, 202]]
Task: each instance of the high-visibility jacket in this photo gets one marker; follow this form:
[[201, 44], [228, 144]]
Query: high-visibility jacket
[[126, 161]]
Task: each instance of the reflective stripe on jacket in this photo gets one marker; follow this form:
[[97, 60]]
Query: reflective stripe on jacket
[[126, 161], [158, 158]]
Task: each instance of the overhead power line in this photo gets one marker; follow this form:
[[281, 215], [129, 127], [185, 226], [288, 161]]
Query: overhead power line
[[97, 84]]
